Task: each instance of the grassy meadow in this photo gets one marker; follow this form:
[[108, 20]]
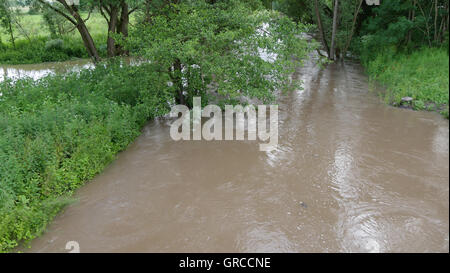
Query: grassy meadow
[[33, 43], [421, 75]]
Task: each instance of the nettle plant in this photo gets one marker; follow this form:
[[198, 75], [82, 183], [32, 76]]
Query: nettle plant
[[230, 49]]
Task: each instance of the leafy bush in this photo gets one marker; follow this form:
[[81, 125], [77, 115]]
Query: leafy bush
[[57, 133], [41, 49], [199, 44]]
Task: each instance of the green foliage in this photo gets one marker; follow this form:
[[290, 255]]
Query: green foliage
[[7, 15], [57, 24], [41, 49], [402, 25], [57, 133], [391, 45], [39, 33], [218, 44], [422, 75], [298, 10], [56, 44]]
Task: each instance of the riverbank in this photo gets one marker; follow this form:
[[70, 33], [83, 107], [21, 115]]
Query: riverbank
[[60, 131], [421, 76]]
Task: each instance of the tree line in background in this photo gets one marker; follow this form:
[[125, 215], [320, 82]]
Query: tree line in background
[[341, 24], [402, 44], [177, 34], [352, 24]]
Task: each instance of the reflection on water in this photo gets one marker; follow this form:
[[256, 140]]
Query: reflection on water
[[350, 174]]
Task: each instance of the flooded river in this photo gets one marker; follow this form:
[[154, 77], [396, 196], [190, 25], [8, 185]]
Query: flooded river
[[350, 174]]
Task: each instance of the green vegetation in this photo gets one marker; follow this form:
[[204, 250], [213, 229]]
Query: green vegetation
[[43, 49], [36, 26], [58, 133], [201, 39], [38, 48], [422, 75], [402, 43]]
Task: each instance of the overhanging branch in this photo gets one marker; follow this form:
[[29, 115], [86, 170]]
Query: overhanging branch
[[58, 11]]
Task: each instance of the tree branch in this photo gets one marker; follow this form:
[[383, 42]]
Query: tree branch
[[103, 14], [59, 12], [353, 28]]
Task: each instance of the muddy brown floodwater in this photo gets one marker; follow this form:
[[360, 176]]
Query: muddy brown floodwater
[[350, 174]]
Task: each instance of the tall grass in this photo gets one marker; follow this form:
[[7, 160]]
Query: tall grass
[[35, 50], [422, 75]]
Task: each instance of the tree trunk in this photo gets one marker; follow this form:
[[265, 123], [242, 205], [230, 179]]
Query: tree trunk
[[441, 26], [178, 82], [435, 20], [111, 44], [86, 37], [88, 42], [11, 33], [355, 17], [124, 19], [78, 22], [122, 27], [321, 31], [333, 35], [413, 17], [147, 13], [427, 26], [22, 30]]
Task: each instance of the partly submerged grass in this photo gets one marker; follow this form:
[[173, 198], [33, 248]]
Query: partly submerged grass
[[422, 75]]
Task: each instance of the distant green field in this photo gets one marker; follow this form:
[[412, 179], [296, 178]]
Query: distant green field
[[34, 25]]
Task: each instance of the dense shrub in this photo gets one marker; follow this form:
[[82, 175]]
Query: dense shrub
[[56, 134], [41, 49]]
